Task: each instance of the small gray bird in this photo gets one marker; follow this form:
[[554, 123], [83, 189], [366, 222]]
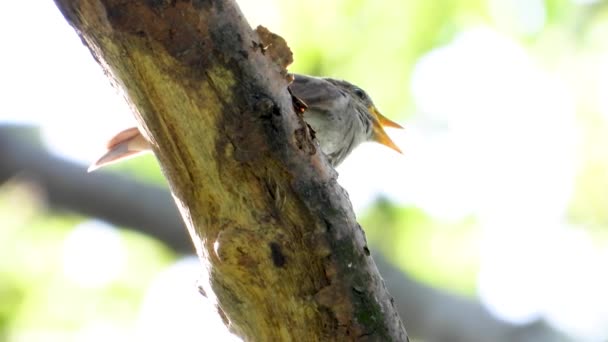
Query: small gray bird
[[341, 114]]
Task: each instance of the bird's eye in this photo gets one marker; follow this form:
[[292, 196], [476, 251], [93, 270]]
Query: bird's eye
[[360, 93]]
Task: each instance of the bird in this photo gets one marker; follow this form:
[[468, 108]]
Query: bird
[[341, 114]]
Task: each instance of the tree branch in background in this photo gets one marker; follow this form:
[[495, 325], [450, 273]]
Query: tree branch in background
[[283, 252], [432, 315]]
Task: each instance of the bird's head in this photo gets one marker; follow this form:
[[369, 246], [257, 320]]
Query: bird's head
[[371, 118]]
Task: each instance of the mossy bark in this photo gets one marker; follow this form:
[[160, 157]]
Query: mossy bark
[[280, 246]]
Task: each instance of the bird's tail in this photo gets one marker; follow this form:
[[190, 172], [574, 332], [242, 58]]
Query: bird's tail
[[123, 145]]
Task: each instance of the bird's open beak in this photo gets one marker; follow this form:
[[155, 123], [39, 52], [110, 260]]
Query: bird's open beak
[[379, 134]]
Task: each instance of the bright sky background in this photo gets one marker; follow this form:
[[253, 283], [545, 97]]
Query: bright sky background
[[485, 149]]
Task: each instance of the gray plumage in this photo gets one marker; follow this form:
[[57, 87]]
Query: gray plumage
[[337, 112]]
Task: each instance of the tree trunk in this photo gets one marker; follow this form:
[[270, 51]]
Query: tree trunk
[[280, 246]]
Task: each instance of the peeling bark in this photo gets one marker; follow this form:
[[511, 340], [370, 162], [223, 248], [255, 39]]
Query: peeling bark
[[276, 234]]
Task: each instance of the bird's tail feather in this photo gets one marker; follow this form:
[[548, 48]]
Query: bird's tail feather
[[123, 145]]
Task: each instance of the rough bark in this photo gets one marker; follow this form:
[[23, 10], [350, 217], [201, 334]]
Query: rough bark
[[276, 234]]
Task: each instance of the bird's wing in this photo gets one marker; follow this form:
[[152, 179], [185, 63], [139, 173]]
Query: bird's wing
[[318, 93]]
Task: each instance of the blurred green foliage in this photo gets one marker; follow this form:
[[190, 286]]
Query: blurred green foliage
[[419, 243], [375, 44], [144, 167], [37, 297]]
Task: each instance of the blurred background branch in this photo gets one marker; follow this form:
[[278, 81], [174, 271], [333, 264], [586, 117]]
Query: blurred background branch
[[498, 206], [431, 314]]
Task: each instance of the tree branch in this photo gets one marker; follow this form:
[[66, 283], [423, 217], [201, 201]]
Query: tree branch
[[432, 315], [285, 257]]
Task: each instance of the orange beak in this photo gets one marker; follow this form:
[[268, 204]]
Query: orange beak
[[379, 135]]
